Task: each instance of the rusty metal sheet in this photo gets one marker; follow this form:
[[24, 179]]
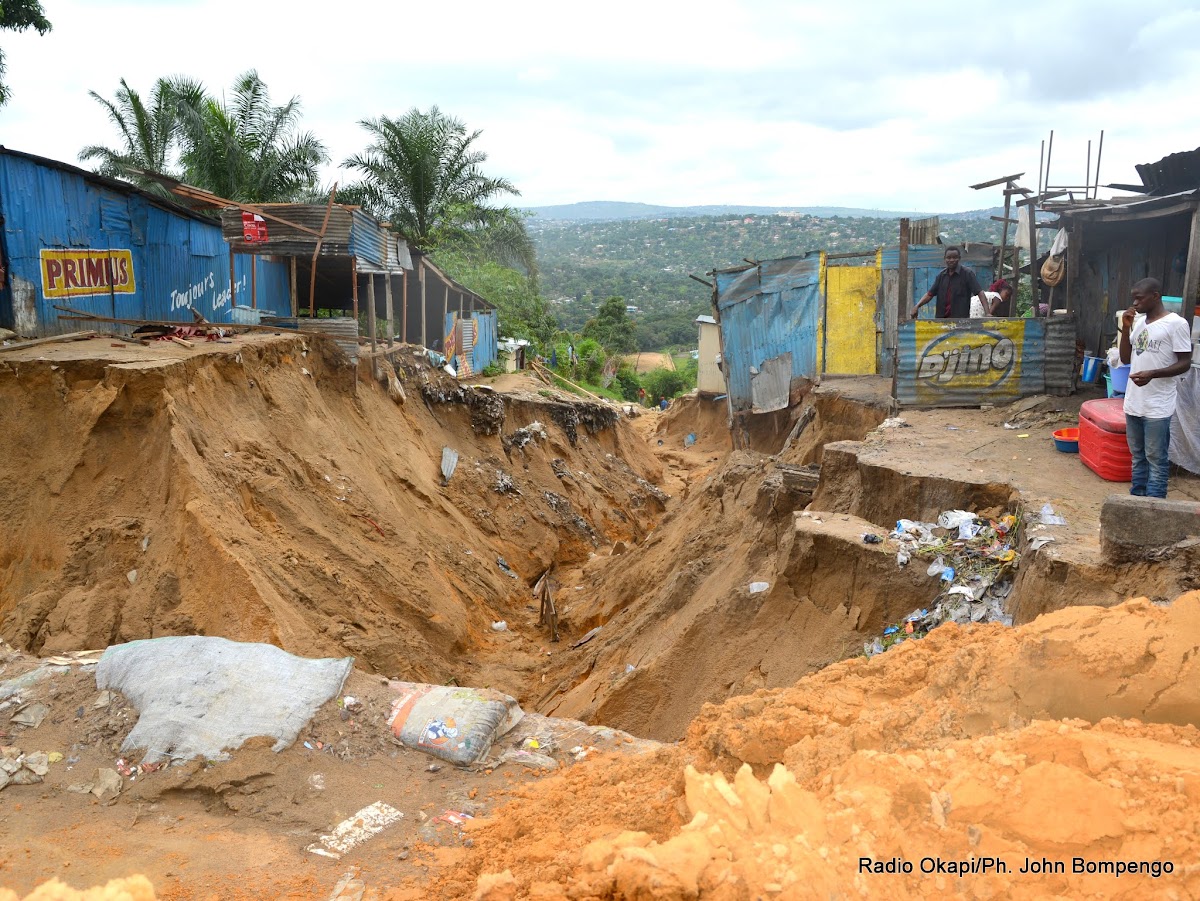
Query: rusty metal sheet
[[967, 362], [766, 312]]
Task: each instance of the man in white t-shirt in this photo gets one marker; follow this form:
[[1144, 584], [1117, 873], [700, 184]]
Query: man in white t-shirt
[[1157, 345]]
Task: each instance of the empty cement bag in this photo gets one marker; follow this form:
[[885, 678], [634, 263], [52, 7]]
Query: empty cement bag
[[199, 697], [458, 725]]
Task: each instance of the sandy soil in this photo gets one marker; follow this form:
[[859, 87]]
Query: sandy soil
[[263, 490], [648, 362]]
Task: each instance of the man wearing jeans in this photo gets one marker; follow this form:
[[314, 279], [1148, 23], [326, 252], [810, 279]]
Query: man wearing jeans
[[1158, 347]]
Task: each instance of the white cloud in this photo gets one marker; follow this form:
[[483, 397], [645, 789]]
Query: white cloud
[[852, 103]]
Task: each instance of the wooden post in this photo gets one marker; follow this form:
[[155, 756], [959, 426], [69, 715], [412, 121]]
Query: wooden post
[[292, 287], [424, 342], [1191, 272], [403, 306], [904, 301], [371, 308], [445, 308], [354, 285], [391, 315], [1004, 230], [254, 281], [232, 281], [312, 281], [1033, 236], [461, 296]]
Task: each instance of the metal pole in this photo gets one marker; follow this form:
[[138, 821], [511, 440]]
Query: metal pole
[[1099, 151], [354, 287]]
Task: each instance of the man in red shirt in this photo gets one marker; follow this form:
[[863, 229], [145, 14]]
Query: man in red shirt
[[954, 287]]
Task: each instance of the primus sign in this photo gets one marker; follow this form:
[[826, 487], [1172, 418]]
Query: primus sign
[[947, 362], [78, 273]]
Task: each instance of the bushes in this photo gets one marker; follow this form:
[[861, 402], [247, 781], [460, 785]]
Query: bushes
[[664, 383], [628, 384]]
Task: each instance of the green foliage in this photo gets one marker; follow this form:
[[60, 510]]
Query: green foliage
[[612, 327], [627, 383], [149, 133], [591, 360], [665, 383], [523, 312], [245, 149], [647, 261], [491, 370], [19, 15], [422, 173]]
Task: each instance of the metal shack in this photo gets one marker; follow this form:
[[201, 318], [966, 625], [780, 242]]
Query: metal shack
[[709, 377], [73, 238]]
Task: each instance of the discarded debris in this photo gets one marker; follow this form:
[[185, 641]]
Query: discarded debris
[[458, 725], [871, 538], [894, 422], [759, 587], [21, 769], [354, 830], [30, 715], [449, 464], [1049, 518], [500, 626], [505, 568], [586, 638], [972, 558]]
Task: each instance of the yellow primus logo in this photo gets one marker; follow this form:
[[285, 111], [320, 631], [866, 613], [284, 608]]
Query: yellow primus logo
[[971, 358], [77, 273]]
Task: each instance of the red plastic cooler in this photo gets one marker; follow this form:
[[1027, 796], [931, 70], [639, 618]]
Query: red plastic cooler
[[1102, 445]]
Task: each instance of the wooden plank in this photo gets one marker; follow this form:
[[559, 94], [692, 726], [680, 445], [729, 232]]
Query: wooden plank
[[391, 314], [1191, 272], [51, 339], [996, 181], [424, 341], [292, 287], [354, 285], [904, 302], [181, 342], [404, 307], [370, 309], [854, 255]]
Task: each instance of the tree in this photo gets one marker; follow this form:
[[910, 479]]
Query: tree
[[150, 133], [245, 149], [422, 173], [612, 327], [19, 15], [523, 312]]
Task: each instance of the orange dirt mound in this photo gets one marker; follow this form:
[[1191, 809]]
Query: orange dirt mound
[[135, 888], [975, 743]]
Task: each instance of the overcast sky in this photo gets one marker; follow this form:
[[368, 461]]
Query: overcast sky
[[846, 103]]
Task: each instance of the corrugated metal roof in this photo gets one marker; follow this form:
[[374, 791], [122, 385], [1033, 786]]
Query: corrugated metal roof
[[707, 320], [1136, 205], [1060, 368], [113, 184], [1173, 173], [104, 248]]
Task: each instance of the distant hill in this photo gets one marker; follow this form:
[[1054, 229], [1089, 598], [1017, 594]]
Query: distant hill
[[613, 210], [646, 258]]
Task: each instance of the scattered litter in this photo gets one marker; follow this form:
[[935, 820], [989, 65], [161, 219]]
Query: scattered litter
[[22, 769], [505, 568], [80, 658], [54, 756], [453, 817], [317, 782], [449, 463], [352, 703], [434, 768], [131, 576], [894, 422], [500, 626], [586, 638], [871, 538], [530, 759], [974, 560], [1050, 518], [354, 830], [505, 484], [349, 887], [1011, 426], [458, 725], [690, 439], [30, 715], [145, 543], [759, 587], [1040, 542]]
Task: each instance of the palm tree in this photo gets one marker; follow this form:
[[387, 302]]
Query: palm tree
[[246, 149], [423, 175], [149, 133]]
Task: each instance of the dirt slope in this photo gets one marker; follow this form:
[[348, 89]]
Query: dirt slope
[[979, 741], [258, 493]]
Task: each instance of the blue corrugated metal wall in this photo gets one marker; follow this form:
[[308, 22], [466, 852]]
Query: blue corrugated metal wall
[[767, 311], [177, 261], [486, 339]]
